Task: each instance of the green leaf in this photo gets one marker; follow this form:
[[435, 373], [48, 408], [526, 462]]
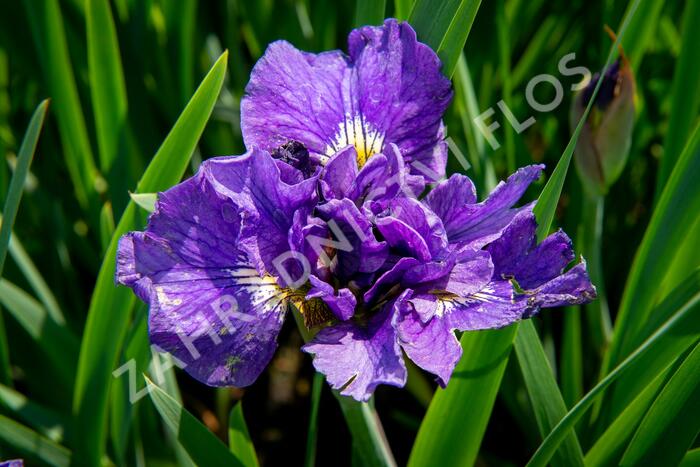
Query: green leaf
[[59, 345], [642, 29], [608, 449], [145, 200], [547, 401], [402, 8], [46, 421], [14, 194], [202, 446], [675, 212], [106, 225], [47, 25], [106, 82], [679, 319], [110, 307], [33, 444], [367, 434], [453, 427], [691, 459], [239, 441], [444, 26], [672, 423], [312, 433], [684, 103], [369, 12]]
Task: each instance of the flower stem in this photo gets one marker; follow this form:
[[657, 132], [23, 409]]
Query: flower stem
[[365, 427]]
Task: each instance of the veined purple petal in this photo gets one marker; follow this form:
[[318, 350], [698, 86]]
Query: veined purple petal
[[389, 90], [208, 306], [356, 359], [431, 345], [269, 204], [481, 223]]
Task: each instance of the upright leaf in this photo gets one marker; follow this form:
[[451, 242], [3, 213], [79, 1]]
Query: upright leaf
[[110, 308], [32, 444], [202, 445], [673, 421], [106, 82], [369, 12], [239, 441], [47, 25]]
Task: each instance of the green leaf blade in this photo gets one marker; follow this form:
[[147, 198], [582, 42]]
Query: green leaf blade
[[110, 307], [239, 441]]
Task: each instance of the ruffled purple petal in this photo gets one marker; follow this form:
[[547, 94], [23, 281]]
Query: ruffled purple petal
[[432, 345], [389, 90], [341, 304], [481, 223], [269, 204], [356, 359], [208, 305]]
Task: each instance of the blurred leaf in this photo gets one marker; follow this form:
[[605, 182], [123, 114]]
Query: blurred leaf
[[239, 441], [685, 99], [12, 200], [444, 25], [47, 26], [146, 201], [672, 423], [59, 345], [14, 195], [402, 8], [33, 444], [202, 446], [369, 12], [110, 308], [444, 438], [678, 320], [691, 459], [641, 30], [46, 421], [106, 225], [547, 401], [312, 433], [106, 82]]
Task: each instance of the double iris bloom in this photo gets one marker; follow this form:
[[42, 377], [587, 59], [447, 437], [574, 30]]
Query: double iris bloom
[[325, 213]]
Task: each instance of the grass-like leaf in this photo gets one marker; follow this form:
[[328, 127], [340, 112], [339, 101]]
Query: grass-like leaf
[[685, 99], [674, 214], [312, 432], [47, 26], [239, 441], [14, 195], [369, 12], [444, 26], [671, 424], [106, 82], [33, 444], [110, 308], [678, 320], [547, 401], [45, 421], [202, 446], [444, 438]]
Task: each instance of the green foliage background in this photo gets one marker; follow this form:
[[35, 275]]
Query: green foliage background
[[141, 91]]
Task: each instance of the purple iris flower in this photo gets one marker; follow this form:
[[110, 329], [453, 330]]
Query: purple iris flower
[[338, 229]]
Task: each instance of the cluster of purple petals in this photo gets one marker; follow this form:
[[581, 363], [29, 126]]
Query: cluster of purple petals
[[326, 213]]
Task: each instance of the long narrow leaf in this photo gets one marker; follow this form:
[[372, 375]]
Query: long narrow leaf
[[33, 444], [202, 446], [110, 307], [239, 441], [369, 12], [550, 444], [445, 437], [47, 25], [547, 401], [106, 82]]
